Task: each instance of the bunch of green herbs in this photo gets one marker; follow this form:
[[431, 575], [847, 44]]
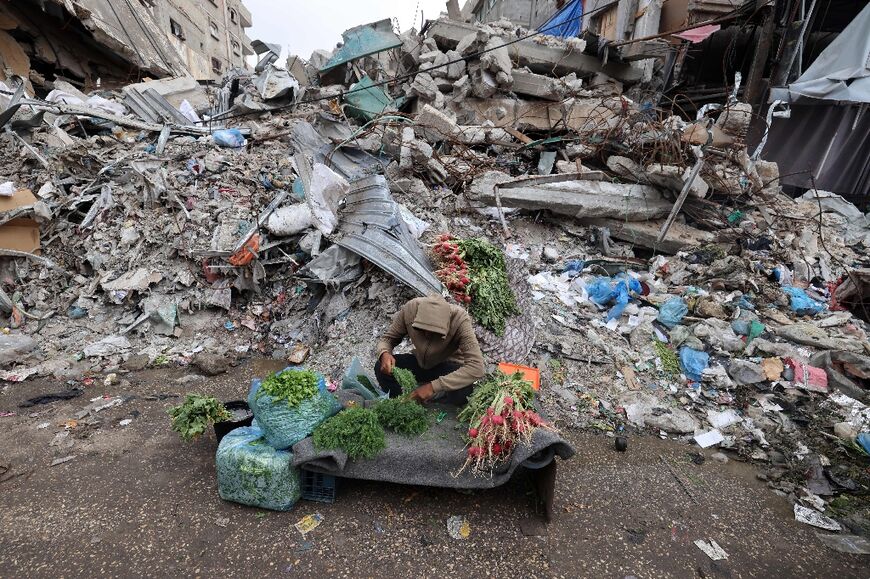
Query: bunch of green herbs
[[402, 416], [355, 430], [492, 299], [191, 418], [294, 386], [406, 380]]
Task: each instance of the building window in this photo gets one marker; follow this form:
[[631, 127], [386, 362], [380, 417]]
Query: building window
[[215, 64], [175, 27], [237, 49], [233, 16], [213, 28]]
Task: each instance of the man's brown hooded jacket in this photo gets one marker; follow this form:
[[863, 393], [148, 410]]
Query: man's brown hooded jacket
[[439, 332]]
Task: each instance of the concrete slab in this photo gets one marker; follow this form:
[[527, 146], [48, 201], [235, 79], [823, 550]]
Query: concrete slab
[[580, 195], [539, 58]]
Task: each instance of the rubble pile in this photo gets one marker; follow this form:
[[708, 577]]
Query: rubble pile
[[665, 280]]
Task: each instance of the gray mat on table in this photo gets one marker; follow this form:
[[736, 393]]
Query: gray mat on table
[[427, 460]]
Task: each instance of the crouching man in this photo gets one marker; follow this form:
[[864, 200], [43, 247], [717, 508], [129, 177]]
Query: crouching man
[[446, 359]]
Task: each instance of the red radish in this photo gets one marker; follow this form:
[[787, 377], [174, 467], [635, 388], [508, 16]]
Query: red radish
[[508, 401], [496, 448], [472, 433], [498, 420]]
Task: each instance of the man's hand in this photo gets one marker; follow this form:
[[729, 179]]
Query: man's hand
[[388, 362], [423, 393]]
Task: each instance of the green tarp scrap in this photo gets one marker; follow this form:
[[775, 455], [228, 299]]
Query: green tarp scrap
[[362, 41], [366, 101]]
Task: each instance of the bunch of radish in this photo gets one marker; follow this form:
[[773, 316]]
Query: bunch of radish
[[500, 416], [453, 271]]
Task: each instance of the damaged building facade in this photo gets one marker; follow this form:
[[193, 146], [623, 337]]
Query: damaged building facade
[[114, 43]]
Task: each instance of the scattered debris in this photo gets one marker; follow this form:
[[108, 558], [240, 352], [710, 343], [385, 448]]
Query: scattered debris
[[458, 527], [712, 549]]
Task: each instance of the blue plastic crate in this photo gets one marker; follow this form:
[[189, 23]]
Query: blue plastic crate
[[318, 487]]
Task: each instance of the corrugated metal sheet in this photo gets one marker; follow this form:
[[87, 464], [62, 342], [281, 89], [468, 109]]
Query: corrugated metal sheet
[[372, 227]]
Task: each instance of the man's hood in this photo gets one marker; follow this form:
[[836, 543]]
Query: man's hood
[[433, 315]]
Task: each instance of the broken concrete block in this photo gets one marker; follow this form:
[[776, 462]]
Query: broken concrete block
[[483, 83], [625, 167], [456, 68], [735, 119], [673, 178], [461, 88], [427, 58], [645, 234], [588, 195], [424, 86], [537, 86], [565, 167], [579, 150], [540, 58], [498, 62], [436, 125], [405, 160]]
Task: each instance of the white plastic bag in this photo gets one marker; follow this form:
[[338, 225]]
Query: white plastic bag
[[290, 220], [327, 190]]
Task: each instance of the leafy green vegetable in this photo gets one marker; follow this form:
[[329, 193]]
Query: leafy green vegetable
[[294, 386], [356, 431], [492, 300], [191, 418], [402, 416], [406, 380], [670, 361]]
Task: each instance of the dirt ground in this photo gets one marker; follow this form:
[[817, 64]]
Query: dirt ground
[[137, 501]]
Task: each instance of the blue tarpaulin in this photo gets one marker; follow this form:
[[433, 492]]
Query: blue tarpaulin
[[566, 22]]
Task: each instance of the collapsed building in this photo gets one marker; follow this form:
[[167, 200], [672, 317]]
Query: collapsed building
[[91, 42], [664, 277]]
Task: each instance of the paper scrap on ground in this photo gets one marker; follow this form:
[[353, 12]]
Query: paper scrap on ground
[[308, 523], [712, 549], [816, 519], [708, 439], [723, 419], [458, 527]]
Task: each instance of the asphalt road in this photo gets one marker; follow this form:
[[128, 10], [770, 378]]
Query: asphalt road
[[136, 501]]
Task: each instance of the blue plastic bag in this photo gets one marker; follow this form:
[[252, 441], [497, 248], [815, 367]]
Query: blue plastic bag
[[864, 440], [616, 291], [599, 290], [284, 426], [693, 363], [574, 266], [229, 138], [251, 472], [801, 303], [672, 312]]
